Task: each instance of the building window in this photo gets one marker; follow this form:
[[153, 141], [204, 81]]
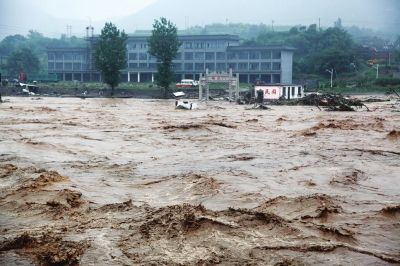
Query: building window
[[77, 76], [199, 66], [59, 66], [132, 56], [188, 56], [142, 65], [68, 56], [199, 56], [50, 65], [142, 56], [276, 78], [188, 66], [266, 78], [255, 55], [77, 66], [266, 55], [150, 57], [177, 66], [59, 56], [210, 66], [243, 55], [178, 56], [51, 56], [131, 46], [232, 65], [299, 91], [221, 56], [59, 76], [152, 66], [232, 55], [78, 57], [253, 78], [143, 45], [254, 66], [243, 66], [188, 45], [221, 66], [210, 56], [284, 91], [68, 66], [199, 45], [276, 55], [133, 65], [265, 66], [211, 45], [276, 66]]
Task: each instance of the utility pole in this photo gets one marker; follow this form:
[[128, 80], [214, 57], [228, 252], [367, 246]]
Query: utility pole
[[330, 71], [377, 70], [319, 24], [69, 31]]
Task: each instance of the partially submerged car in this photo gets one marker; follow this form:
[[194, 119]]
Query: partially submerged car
[[181, 104]]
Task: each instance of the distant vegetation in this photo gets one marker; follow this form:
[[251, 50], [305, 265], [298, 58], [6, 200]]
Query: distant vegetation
[[36, 43], [245, 31]]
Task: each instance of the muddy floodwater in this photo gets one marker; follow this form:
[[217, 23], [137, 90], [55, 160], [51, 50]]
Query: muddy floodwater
[[129, 181]]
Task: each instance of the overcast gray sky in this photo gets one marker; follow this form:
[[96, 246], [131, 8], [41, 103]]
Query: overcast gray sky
[[52, 16], [94, 9]]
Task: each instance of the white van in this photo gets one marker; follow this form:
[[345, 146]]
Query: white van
[[187, 83]]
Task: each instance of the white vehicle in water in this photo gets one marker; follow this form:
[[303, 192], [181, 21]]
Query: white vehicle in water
[[187, 83], [181, 104]]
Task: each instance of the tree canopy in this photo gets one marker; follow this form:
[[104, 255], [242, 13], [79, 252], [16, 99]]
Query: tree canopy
[[37, 44], [316, 50], [164, 45], [23, 60], [110, 55]]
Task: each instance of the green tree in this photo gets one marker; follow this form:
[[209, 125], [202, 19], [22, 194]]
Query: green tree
[[23, 60], [12, 43], [316, 50], [110, 55], [164, 45]]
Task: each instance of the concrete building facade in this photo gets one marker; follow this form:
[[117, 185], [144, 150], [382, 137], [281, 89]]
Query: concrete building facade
[[271, 64]]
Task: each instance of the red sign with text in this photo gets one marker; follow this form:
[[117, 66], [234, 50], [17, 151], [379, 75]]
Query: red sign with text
[[270, 92]]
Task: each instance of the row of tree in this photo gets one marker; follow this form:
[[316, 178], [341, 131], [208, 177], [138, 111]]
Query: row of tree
[[110, 56]]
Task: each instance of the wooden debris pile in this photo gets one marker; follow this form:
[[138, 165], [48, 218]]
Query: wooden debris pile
[[331, 102]]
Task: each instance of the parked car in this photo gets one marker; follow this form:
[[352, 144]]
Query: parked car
[[187, 83]]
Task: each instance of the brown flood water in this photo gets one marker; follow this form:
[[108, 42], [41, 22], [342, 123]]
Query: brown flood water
[[122, 182]]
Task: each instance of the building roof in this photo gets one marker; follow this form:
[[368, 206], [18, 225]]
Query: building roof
[[228, 37], [261, 47], [66, 49]]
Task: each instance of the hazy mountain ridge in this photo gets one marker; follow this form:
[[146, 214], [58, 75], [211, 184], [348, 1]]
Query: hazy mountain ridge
[[379, 15]]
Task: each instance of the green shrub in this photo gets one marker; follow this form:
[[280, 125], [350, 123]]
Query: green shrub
[[387, 81]]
